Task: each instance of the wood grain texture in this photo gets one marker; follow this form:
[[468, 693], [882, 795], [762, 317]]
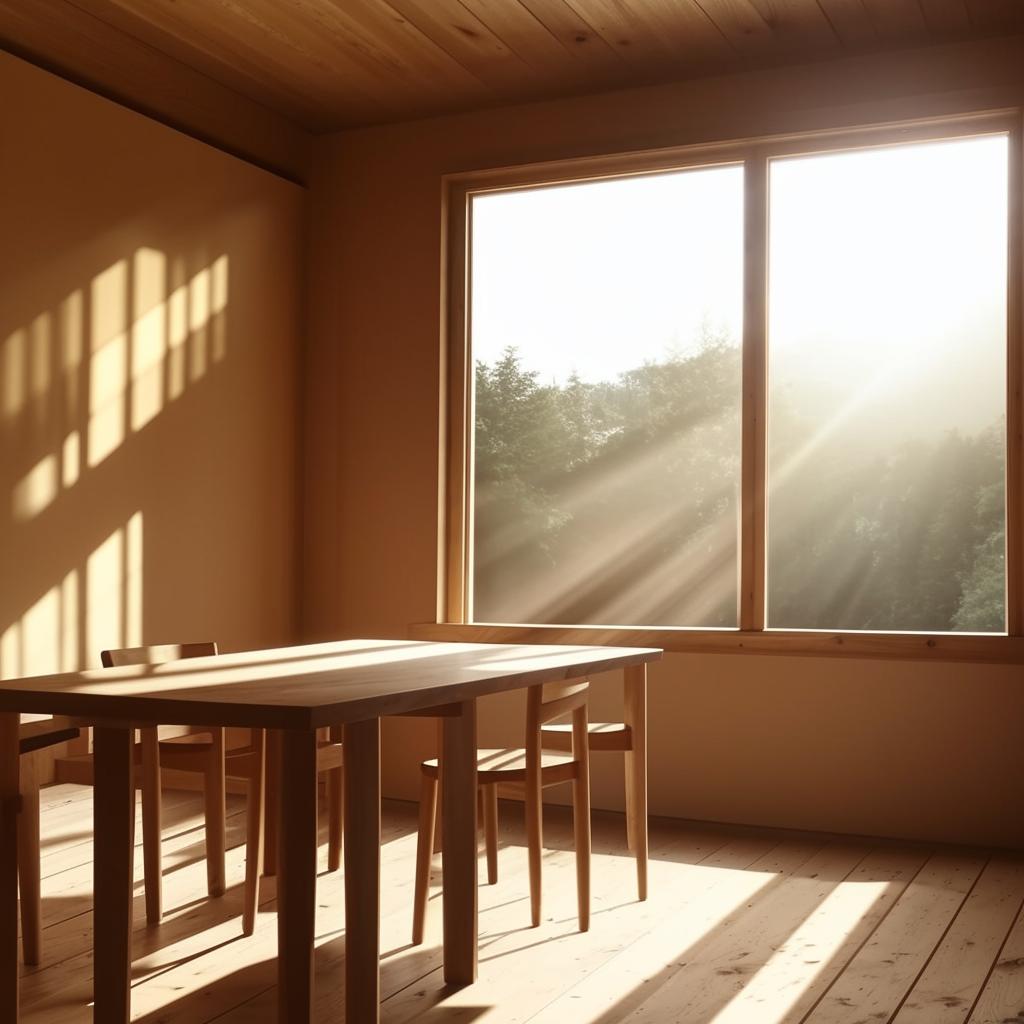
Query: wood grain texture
[[1003, 994], [458, 844], [937, 647], [28, 862], [9, 811], [362, 870], [257, 78], [114, 825], [255, 814], [307, 688], [877, 980], [63, 38], [721, 892], [950, 984], [297, 876]]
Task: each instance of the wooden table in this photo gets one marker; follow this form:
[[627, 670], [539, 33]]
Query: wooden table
[[297, 690]]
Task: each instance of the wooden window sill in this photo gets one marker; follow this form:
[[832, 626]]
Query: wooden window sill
[[941, 647]]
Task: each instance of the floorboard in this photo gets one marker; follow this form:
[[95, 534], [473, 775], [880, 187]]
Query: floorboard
[[741, 928]]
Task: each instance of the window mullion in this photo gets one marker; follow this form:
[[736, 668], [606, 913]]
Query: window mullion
[[1014, 385], [456, 441], [753, 496]]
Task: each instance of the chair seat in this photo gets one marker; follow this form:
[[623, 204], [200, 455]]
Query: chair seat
[[601, 735], [193, 741], [39, 725], [508, 764]]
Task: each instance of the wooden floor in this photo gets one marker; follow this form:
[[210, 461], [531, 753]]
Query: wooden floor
[[741, 928]]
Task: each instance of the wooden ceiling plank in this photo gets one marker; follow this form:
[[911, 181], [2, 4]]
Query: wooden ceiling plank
[[353, 60], [686, 31], [742, 24], [849, 19], [996, 14], [897, 20], [946, 16], [316, 57], [392, 40], [580, 39], [656, 48], [464, 37], [225, 51], [75, 45], [526, 35], [799, 24]]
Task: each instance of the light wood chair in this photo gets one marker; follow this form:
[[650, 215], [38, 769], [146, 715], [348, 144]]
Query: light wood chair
[[629, 738], [35, 733], [202, 750], [533, 769]]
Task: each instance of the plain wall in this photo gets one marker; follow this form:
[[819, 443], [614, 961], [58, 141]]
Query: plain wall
[[150, 314], [903, 749]]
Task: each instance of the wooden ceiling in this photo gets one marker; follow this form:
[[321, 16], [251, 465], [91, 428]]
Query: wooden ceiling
[[324, 65]]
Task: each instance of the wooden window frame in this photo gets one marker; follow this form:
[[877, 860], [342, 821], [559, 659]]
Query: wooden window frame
[[751, 636]]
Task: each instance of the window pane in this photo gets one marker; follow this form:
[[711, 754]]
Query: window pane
[[887, 350], [606, 320]]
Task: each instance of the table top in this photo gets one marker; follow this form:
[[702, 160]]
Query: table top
[[309, 687]]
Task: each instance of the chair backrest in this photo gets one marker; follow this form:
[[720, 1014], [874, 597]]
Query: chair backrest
[[549, 701], [155, 655]]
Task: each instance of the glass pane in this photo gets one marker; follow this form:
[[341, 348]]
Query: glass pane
[[606, 320], [887, 354]]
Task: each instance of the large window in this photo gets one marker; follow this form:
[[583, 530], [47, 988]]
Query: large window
[[887, 388], [606, 323], [762, 389]]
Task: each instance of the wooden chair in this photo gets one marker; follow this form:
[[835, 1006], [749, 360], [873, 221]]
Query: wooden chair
[[202, 750], [628, 737], [534, 769], [35, 733]]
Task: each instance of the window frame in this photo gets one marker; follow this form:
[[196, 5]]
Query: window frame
[[751, 635]]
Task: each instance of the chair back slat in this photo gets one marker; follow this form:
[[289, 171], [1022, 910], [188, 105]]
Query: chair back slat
[[155, 654], [564, 688], [549, 701]]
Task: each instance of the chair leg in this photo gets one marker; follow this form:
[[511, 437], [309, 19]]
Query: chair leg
[[490, 816], [581, 813], [151, 824], [273, 802], [335, 809], [424, 855], [630, 781], [534, 808], [636, 769], [440, 793], [28, 862], [216, 817], [255, 815]]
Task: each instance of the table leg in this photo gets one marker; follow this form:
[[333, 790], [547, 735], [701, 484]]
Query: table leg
[[635, 693], [362, 871], [459, 844], [9, 805], [296, 877], [113, 870]]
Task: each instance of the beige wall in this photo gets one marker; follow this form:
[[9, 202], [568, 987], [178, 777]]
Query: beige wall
[[150, 310], [899, 749]]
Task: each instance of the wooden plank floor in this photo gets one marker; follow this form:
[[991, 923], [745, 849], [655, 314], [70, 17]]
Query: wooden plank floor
[[741, 928]]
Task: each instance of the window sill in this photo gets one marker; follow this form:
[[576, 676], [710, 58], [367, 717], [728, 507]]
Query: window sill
[[965, 647]]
